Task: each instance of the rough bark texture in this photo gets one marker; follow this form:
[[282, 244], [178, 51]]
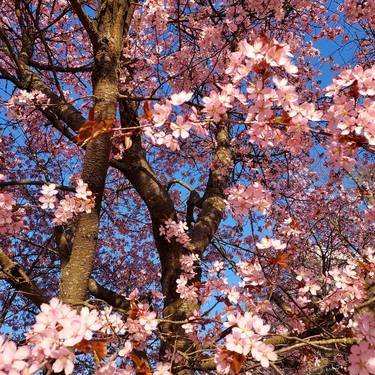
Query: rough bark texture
[[136, 168], [13, 273], [112, 25]]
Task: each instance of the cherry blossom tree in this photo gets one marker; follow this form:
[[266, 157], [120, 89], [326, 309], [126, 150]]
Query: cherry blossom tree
[[186, 187]]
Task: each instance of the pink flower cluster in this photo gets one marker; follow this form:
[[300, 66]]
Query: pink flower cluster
[[309, 286], [348, 289], [11, 218], [245, 337], [365, 324], [58, 328], [347, 115], [216, 105], [160, 116], [13, 360], [172, 229], [268, 243], [24, 97], [48, 197], [142, 326], [248, 55], [251, 273], [362, 359], [186, 291], [23, 103], [163, 369], [82, 201], [241, 199]]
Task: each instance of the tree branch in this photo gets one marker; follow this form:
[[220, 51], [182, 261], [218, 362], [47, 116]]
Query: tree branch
[[87, 23], [13, 273], [212, 203], [34, 183], [59, 68]]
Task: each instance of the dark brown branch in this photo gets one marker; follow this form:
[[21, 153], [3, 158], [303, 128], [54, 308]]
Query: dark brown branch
[[87, 23], [34, 183], [113, 299], [59, 68], [213, 204], [13, 273]]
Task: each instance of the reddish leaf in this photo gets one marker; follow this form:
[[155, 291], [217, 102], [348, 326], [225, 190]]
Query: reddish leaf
[[141, 366], [92, 129], [83, 346], [92, 113], [134, 311], [97, 347], [281, 260], [237, 361], [147, 110], [100, 348]]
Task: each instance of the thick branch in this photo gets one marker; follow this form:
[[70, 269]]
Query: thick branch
[[87, 23], [13, 273], [141, 175], [104, 294], [111, 28], [210, 364], [212, 203]]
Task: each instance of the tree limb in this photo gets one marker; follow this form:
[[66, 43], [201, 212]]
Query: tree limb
[[87, 23], [13, 273]]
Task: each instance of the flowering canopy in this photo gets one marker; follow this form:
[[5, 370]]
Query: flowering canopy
[[186, 187]]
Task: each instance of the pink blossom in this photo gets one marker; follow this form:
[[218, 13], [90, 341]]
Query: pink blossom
[[362, 359], [50, 315], [81, 190], [216, 105], [216, 267], [366, 326], [163, 369], [175, 230], [149, 322], [180, 128], [79, 327], [181, 98], [161, 113], [238, 341], [267, 243], [48, 196], [11, 219], [83, 201], [233, 294], [241, 199], [248, 329], [171, 143], [13, 360], [188, 292], [253, 51], [279, 55], [251, 273], [223, 359], [64, 361], [263, 353], [126, 349], [31, 98], [111, 322], [6, 201]]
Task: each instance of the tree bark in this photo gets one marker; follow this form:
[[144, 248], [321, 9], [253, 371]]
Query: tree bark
[[113, 18]]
